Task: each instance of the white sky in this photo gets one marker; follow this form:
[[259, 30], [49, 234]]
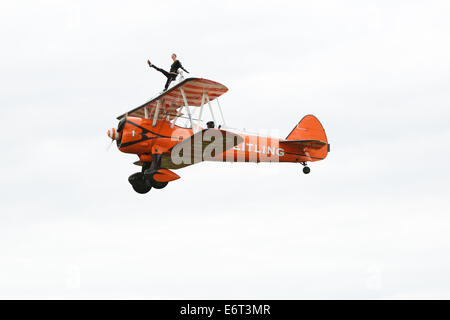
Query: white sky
[[371, 221]]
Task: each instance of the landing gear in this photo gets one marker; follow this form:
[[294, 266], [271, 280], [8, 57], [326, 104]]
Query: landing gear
[[139, 183], [142, 182], [306, 169], [156, 184], [150, 169]]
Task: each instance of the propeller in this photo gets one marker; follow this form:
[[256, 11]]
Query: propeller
[[109, 146], [115, 134]]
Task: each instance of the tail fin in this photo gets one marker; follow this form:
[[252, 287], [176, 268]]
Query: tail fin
[[310, 129]]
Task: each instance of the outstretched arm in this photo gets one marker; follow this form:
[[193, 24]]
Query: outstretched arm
[[183, 69]]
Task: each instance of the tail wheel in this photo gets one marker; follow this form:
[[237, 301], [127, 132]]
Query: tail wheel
[[306, 170], [139, 183]]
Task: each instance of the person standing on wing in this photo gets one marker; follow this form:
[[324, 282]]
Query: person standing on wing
[[172, 75]]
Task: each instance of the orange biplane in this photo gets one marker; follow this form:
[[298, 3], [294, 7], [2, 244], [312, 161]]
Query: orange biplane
[[168, 132]]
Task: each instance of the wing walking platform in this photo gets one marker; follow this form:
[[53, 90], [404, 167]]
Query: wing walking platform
[[194, 92]]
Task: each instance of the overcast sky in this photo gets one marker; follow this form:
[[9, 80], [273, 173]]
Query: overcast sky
[[370, 221]]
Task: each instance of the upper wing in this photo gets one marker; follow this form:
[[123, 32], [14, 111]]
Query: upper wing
[[172, 100]]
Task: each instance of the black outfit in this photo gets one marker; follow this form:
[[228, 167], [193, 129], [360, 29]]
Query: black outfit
[[172, 75]]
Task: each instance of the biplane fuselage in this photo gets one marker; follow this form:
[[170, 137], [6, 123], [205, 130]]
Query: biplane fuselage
[[141, 138], [151, 132]]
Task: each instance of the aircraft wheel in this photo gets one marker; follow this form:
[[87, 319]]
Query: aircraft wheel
[[139, 183], [159, 185], [155, 184], [306, 170]]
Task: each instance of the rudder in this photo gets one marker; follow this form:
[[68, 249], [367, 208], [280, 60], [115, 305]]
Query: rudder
[[310, 128]]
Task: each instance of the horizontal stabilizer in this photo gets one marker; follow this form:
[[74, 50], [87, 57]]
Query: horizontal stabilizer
[[310, 144]]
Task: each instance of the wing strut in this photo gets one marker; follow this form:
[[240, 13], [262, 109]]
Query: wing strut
[[176, 118], [221, 113], [187, 107], [201, 106], [155, 116], [210, 108]]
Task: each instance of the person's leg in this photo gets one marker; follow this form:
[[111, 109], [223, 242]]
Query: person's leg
[[169, 80], [164, 72]]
